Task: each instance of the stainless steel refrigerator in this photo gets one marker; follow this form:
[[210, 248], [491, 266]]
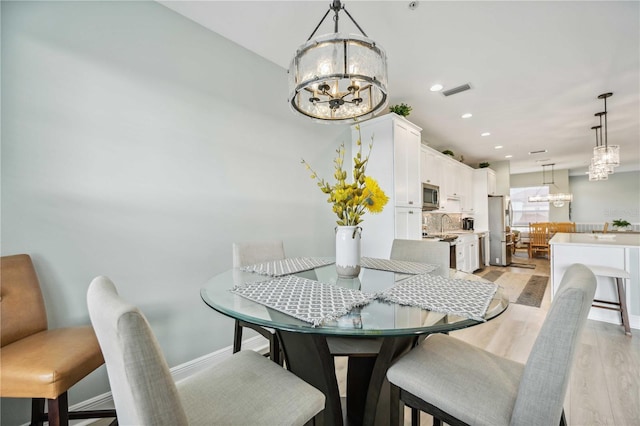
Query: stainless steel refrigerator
[[500, 236]]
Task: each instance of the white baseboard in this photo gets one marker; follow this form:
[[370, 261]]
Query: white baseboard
[[613, 317], [179, 372]]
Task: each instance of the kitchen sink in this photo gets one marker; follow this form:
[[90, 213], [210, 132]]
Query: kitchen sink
[[448, 238]]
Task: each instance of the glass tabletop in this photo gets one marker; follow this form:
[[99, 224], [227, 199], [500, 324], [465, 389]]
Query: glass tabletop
[[377, 318]]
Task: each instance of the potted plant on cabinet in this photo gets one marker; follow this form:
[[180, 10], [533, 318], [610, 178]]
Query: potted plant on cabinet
[[621, 224], [402, 109]]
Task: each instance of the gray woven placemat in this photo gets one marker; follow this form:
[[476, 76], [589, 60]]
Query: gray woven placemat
[[402, 266], [290, 265], [308, 300], [464, 298]]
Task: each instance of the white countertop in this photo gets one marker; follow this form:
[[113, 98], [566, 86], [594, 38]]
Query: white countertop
[[585, 239]]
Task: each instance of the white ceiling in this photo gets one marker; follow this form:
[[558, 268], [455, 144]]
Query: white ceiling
[[535, 68]]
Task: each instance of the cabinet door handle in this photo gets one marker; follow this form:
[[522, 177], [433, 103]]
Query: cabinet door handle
[[410, 202], [411, 212]]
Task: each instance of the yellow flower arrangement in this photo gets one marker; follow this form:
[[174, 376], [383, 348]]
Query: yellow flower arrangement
[[351, 200]]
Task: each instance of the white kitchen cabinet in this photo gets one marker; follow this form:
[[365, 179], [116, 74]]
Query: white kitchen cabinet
[[484, 184], [406, 164], [467, 259], [465, 185], [431, 166], [395, 163], [408, 223]]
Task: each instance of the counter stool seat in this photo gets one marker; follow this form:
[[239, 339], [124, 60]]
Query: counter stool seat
[[621, 305]]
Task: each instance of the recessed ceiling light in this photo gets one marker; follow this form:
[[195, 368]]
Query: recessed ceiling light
[[436, 87], [485, 134], [508, 156], [498, 147], [467, 115]]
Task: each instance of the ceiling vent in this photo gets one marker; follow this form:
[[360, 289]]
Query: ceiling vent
[[456, 90]]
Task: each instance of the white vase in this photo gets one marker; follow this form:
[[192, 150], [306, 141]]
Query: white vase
[[348, 251]]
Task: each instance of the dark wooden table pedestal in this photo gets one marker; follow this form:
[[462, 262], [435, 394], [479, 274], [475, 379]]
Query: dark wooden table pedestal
[[308, 356]]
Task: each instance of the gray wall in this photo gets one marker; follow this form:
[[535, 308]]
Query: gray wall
[[593, 202], [603, 201], [138, 145]]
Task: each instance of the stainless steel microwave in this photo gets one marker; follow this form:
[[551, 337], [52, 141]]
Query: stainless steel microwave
[[430, 197]]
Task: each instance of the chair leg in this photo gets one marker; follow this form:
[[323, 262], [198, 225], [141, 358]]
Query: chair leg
[[274, 350], [396, 406], [624, 314], [237, 337], [59, 410], [37, 412]]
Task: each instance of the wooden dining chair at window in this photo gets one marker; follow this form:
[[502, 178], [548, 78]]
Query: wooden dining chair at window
[[250, 253], [37, 362], [539, 236], [565, 227]]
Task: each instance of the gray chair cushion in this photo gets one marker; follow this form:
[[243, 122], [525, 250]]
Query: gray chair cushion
[[249, 389], [467, 382]]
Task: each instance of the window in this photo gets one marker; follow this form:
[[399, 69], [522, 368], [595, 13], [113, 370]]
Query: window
[[525, 212]]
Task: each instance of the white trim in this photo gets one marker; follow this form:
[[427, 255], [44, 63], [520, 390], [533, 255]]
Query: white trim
[[179, 372]]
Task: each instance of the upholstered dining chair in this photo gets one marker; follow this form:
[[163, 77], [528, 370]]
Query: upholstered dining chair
[[436, 253], [236, 391], [249, 253], [461, 384], [37, 362]]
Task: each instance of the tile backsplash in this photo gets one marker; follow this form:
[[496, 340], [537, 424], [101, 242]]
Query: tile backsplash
[[432, 222]]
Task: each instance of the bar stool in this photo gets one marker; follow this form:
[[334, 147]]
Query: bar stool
[[621, 305]]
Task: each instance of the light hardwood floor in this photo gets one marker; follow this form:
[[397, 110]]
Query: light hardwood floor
[[605, 381]]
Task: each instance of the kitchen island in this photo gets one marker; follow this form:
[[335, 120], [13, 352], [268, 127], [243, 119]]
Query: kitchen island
[[619, 250]]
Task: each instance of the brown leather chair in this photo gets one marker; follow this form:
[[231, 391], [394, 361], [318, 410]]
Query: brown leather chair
[[36, 362]]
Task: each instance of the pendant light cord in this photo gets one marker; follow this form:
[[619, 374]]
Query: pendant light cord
[[336, 6]]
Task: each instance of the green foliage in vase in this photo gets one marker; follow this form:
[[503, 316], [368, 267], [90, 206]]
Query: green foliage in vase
[[351, 200]]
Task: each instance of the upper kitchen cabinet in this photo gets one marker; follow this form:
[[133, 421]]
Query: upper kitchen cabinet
[[395, 163], [430, 166], [484, 184], [395, 157], [406, 167], [454, 178]]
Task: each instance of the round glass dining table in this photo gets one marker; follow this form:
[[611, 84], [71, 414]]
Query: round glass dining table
[[371, 336]]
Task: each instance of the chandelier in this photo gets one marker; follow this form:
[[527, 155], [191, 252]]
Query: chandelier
[[599, 171], [338, 77], [557, 199], [605, 156]]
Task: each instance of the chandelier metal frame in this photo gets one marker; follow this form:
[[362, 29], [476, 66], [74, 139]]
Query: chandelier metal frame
[[338, 77]]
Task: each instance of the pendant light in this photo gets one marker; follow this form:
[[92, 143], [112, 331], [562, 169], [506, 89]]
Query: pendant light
[[557, 199], [338, 77], [598, 171], [606, 155]]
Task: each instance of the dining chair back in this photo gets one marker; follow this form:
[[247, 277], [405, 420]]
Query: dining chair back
[[539, 235], [459, 383], [566, 227], [145, 393], [435, 253], [249, 253], [39, 363]]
